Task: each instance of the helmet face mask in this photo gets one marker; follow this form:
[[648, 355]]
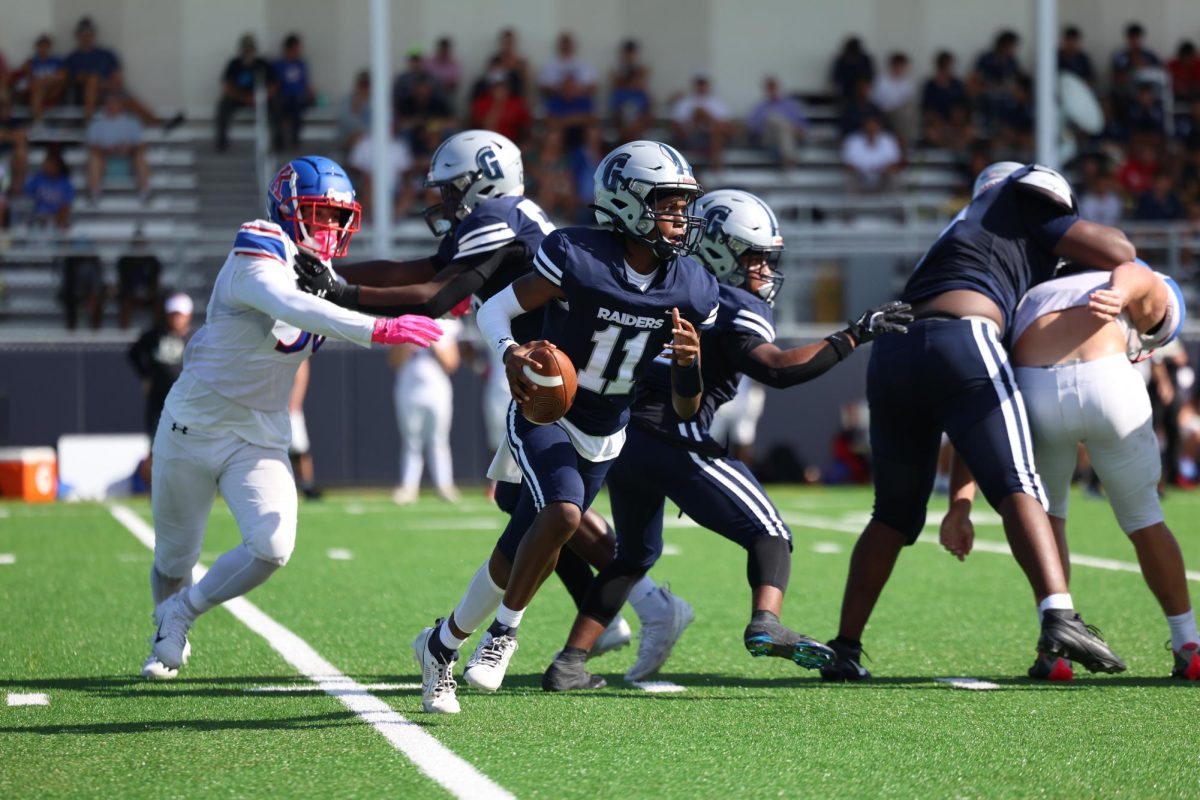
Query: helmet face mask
[[740, 242], [312, 200]]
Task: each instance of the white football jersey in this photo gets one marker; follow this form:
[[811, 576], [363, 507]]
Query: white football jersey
[[238, 369]]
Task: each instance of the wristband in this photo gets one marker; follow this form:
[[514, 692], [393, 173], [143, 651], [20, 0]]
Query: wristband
[[841, 344], [687, 380], [502, 347]]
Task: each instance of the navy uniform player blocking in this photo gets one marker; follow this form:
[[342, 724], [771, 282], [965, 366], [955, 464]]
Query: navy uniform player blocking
[[951, 373], [666, 456], [615, 298]]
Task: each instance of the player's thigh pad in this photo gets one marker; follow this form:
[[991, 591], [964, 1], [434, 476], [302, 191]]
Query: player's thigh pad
[[986, 418], [184, 474], [905, 431], [637, 502], [259, 488], [1052, 404], [720, 494], [1121, 441]]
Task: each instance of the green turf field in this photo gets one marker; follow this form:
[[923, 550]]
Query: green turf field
[[75, 604]]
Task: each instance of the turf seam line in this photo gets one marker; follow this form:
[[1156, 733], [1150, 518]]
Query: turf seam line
[[449, 770]]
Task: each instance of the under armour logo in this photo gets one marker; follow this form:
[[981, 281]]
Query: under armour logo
[[615, 170], [177, 427], [488, 164]]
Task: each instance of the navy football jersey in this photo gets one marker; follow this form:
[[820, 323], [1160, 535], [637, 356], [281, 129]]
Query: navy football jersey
[[742, 315], [1000, 245], [607, 326], [493, 224]]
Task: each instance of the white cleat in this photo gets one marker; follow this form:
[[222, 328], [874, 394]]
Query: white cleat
[[170, 641], [659, 634], [618, 634], [438, 687], [487, 665], [155, 669]]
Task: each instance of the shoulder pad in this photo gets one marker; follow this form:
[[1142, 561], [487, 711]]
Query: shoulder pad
[[1049, 184]]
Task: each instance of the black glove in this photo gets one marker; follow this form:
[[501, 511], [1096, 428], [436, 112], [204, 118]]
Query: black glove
[[314, 277], [890, 317]]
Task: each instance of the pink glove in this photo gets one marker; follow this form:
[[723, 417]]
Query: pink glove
[[409, 329]]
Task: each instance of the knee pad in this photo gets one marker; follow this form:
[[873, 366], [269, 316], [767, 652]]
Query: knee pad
[[273, 539]]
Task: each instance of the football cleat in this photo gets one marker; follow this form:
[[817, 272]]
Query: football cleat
[[770, 638], [1187, 662], [1051, 668], [658, 635], [1064, 634], [618, 634], [438, 687], [487, 665], [170, 640], [568, 676], [847, 664], [153, 668]]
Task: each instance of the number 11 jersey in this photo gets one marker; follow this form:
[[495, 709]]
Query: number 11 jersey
[[610, 327]]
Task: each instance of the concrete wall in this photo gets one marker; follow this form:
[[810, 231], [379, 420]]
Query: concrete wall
[[174, 49]]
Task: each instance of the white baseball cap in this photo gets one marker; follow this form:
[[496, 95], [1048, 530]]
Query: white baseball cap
[[179, 303]]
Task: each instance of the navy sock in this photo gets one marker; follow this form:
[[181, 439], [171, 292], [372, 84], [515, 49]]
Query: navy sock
[[496, 629], [440, 651]]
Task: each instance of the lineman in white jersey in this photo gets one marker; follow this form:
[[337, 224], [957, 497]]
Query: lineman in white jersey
[[225, 424]]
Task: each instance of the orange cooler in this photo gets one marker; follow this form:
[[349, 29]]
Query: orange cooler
[[28, 473]]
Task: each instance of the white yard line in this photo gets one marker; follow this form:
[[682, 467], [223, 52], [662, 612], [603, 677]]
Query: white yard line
[[339, 554], [8, 558], [428, 754], [982, 545], [33, 699], [659, 687], [309, 687], [973, 684]]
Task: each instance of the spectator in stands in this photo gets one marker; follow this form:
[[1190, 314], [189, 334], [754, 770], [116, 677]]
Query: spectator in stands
[[1185, 73], [872, 156], [895, 94], [415, 77], [1187, 129], [498, 109], [1135, 55], [14, 144], [241, 75], [1160, 204], [1136, 175], [851, 66], [568, 87], [1099, 202], [444, 67], [157, 358], [944, 106], [138, 273], [52, 192], [93, 72], [1013, 118], [294, 93], [1071, 56], [114, 133], [584, 161], [42, 80], [858, 108], [82, 284], [630, 107], [778, 123], [700, 121], [1146, 116], [424, 118], [400, 162], [354, 113], [995, 76], [508, 58], [550, 179]]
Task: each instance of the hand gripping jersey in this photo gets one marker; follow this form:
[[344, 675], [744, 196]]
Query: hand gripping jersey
[[608, 327], [743, 322], [1000, 245], [238, 369], [493, 224]]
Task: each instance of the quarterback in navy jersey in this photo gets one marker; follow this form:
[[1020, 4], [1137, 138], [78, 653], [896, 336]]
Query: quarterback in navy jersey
[[669, 456], [951, 373], [615, 298]]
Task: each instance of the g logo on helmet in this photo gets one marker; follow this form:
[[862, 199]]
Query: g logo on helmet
[[615, 170], [714, 220], [488, 164]]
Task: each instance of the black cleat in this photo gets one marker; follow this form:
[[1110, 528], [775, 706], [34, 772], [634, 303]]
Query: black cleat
[[1065, 635], [568, 676], [847, 666], [770, 638]]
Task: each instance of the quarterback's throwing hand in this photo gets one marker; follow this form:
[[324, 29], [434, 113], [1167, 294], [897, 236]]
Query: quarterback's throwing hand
[[890, 317], [409, 329]]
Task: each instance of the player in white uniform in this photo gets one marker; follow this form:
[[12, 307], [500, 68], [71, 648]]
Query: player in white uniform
[[225, 424], [1074, 339], [424, 400]]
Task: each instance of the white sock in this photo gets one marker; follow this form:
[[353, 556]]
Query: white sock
[[1056, 601], [232, 575], [509, 617], [646, 599], [1183, 629], [449, 639], [479, 603]]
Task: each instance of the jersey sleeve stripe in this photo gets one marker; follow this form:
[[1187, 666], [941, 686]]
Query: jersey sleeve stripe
[[257, 253], [750, 318], [755, 328], [485, 243], [247, 240], [250, 227], [712, 316], [556, 279], [483, 229], [544, 265]]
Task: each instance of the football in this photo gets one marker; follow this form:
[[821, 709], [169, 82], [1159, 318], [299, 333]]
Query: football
[[555, 385]]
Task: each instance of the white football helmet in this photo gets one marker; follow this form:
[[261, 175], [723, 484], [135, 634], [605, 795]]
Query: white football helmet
[[468, 168], [737, 223], [993, 174], [630, 181]]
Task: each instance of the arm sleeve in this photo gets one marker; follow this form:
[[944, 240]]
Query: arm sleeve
[[495, 319], [262, 285], [457, 281], [740, 349]]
